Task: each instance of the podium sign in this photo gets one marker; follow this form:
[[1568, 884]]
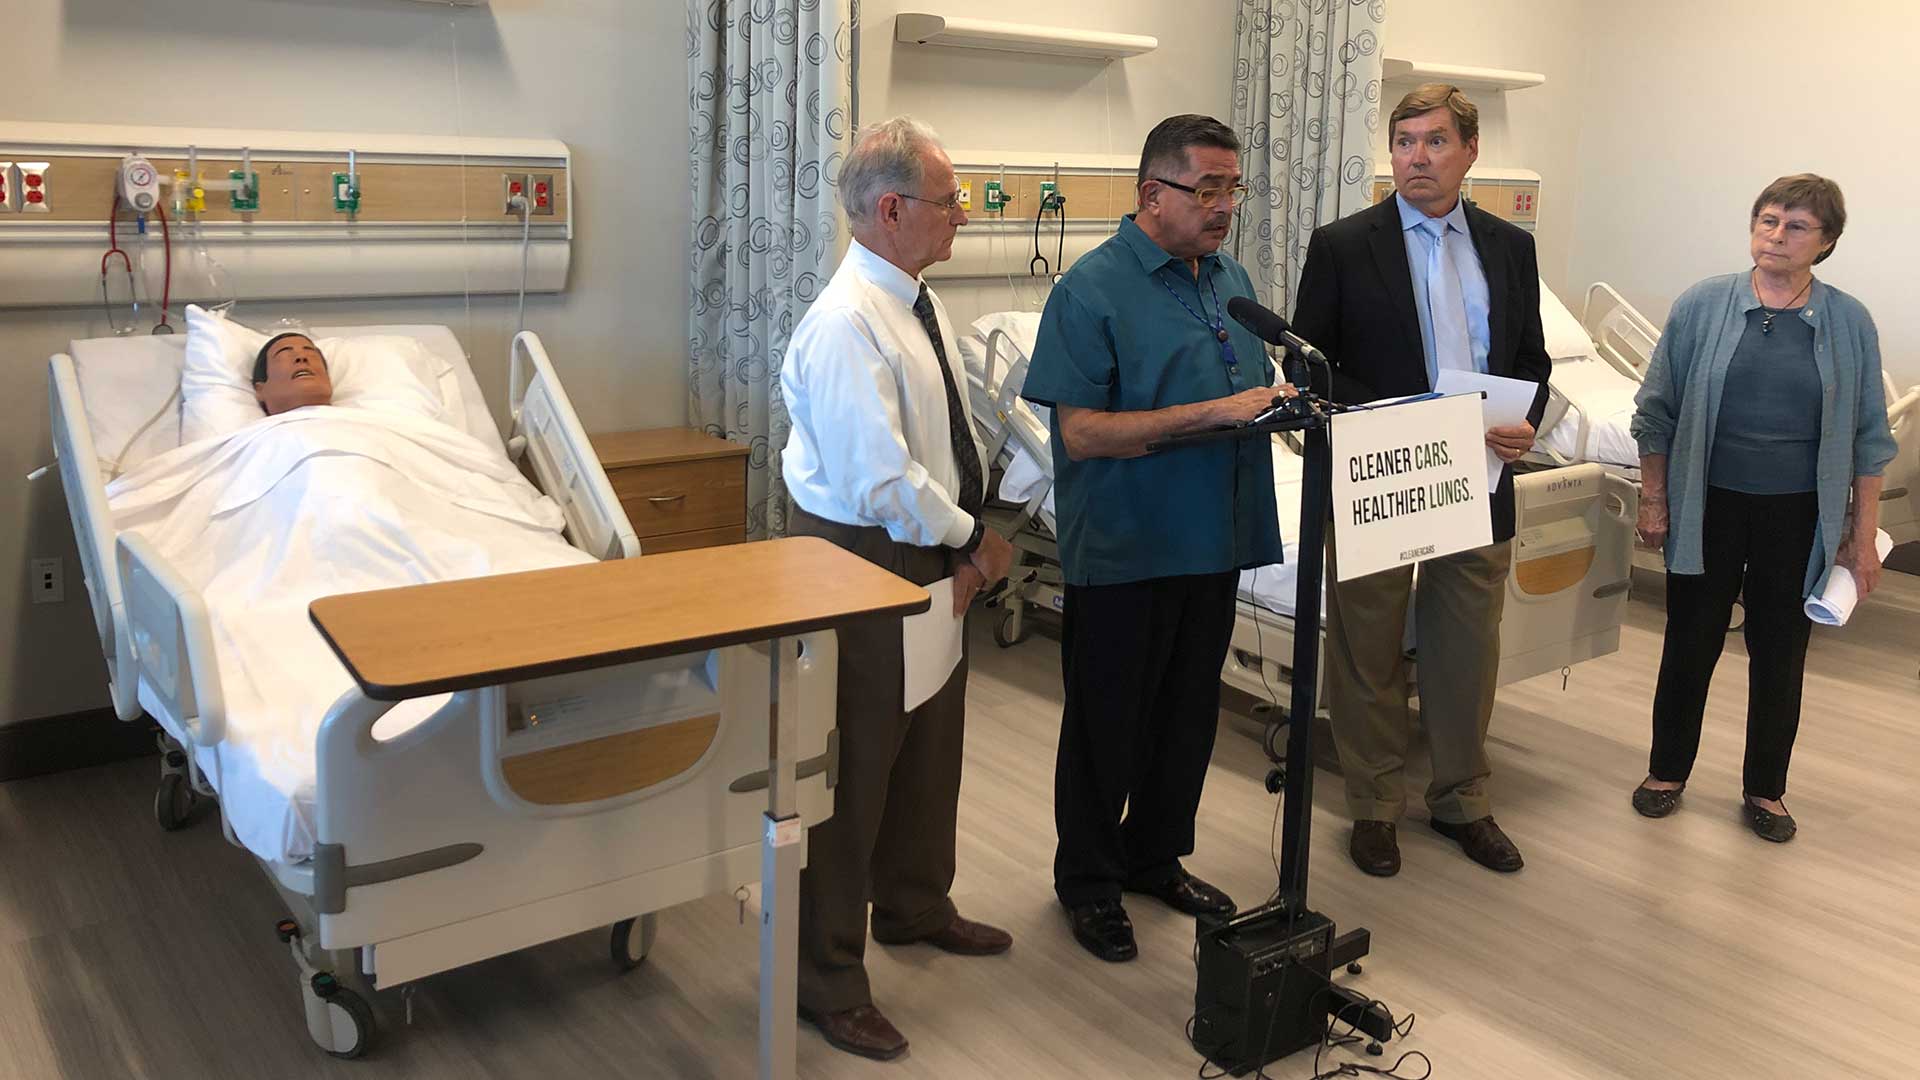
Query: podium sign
[[1409, 483]]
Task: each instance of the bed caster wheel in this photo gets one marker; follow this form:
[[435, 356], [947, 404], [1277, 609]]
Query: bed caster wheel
[[286, 930], [1011, 630], [175, 802], [1353, 969], [340, 1021], [632, 941]]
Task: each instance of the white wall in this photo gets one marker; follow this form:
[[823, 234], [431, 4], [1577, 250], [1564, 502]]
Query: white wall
[[982, 100], [985, 100], [1684, 126], [605, 76], [1536, 128]]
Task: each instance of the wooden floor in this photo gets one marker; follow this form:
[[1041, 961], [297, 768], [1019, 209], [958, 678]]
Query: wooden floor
[[1627, 948]]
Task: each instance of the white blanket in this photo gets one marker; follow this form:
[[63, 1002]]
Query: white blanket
[[312, 503]]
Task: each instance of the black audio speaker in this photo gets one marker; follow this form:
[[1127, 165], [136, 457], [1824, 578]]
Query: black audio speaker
[[1259, 976]]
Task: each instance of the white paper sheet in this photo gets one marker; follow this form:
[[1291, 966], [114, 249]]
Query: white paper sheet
[[1835, 604], [1507, 402], [932, 643]]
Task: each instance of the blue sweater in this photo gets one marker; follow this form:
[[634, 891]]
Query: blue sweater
[[1679, 402]]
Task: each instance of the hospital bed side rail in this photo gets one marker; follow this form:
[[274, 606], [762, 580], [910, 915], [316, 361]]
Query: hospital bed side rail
[[172, 640], [1624, 338], [93, 532], [546, 432]]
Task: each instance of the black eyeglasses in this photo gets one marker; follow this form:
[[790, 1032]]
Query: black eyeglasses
[[1207, 197], [948, 204]]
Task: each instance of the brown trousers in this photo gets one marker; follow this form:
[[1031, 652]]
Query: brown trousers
[[891, 838], [1457, 634]]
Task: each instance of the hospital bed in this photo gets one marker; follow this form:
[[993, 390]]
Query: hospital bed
[[507, 814], [1564, 598], [1599, 361]]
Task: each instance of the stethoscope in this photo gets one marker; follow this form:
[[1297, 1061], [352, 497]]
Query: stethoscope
[[126, 266]]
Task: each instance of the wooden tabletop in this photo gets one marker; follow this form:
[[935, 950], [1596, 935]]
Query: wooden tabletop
[[660, 445], [456, 635]]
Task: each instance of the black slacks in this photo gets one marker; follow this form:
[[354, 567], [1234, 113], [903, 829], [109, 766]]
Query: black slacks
[[1755, 547], [1142, 670], [891, 838]]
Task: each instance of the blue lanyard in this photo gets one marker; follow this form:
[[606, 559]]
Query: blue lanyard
[[1217, 325]]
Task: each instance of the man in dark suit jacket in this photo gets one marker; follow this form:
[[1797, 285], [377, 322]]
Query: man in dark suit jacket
[[1420, 283]]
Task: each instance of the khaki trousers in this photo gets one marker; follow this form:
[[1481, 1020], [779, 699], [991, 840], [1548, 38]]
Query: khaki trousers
[[1457, 633]]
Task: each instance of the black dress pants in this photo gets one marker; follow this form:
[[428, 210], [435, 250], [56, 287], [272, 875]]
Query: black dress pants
[[1754, 547], [1142, 670]]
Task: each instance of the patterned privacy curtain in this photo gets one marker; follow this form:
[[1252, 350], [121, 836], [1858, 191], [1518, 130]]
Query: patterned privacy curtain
[[1306, 105], [770, 86]]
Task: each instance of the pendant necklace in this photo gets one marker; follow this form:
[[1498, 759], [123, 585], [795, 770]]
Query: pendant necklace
[[1766, 321]]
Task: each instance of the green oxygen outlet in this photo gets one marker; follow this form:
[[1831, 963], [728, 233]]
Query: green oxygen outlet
[[995, 198], [244, 201], [346, 194], [1049, 195]]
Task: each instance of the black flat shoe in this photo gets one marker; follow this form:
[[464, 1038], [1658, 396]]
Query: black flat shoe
[[1656, 803], [1766, 824], [1188, 895], [1103, 929]]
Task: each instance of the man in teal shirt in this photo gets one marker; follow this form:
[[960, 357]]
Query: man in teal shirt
[[1134, 347]]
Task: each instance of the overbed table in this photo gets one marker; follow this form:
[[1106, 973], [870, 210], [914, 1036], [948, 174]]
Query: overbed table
[[460, 635]]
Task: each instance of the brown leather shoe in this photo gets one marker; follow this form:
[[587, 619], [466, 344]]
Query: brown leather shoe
[[962, 937], [860, 1030], [1375, 848], [1483, 842]]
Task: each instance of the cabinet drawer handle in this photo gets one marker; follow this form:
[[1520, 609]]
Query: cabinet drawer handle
[[662, 500]]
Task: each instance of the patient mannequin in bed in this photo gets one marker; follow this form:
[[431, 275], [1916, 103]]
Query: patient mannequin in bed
[[289, 373]]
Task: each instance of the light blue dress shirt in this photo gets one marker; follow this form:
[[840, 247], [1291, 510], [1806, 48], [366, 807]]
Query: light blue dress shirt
[[1466, 263]]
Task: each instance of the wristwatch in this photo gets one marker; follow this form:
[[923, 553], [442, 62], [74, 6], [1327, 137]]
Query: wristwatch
[[978, 534]]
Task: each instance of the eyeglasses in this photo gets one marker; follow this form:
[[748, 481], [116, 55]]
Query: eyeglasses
[[1208, 197], [1796, 230], [949, 204]]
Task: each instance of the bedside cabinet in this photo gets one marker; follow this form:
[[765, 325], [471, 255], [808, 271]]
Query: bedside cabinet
[[680, 488]]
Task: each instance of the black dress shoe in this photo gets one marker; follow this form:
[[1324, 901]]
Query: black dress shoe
[[1103, 929], [1375, 848], [1656, 803], [1188, 895], [1766, 824], [1483, 842]]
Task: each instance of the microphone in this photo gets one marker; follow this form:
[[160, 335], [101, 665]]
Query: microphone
[[1271, 328]]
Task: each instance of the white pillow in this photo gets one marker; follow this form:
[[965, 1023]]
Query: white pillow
[[389, 371], [216, 380], [1566, 338], [371, 371]]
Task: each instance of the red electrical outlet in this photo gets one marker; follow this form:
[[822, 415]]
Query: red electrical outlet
[[34, 194], [6, 187]]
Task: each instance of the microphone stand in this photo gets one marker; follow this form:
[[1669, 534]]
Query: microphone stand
[[1285, 930]]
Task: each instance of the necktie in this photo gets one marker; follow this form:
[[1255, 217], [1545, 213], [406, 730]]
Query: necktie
[[973, 490], [1447, 305]]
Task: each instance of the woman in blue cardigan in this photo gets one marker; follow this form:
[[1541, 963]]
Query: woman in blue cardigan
[[1763, 434]]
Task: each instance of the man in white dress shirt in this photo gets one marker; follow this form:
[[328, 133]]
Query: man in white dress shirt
[[882, 461]]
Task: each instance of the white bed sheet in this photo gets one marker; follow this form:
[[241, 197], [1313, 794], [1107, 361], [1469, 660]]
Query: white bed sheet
[[317, 502], [1603, 398]]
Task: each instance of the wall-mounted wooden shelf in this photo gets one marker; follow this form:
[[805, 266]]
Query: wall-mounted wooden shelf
[[917, 28], [1466, 78]]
